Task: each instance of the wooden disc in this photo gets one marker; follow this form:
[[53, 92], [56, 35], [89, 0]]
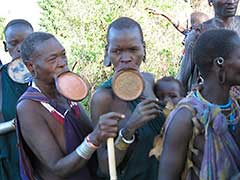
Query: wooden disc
[[128, 85], [71, 86], [18, 72]]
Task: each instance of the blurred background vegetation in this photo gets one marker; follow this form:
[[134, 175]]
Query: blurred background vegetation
[[81, 26]]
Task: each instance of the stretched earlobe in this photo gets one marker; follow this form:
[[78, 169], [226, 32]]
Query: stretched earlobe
[[106, 61], [144, 48], [222, 76], [5, 46]]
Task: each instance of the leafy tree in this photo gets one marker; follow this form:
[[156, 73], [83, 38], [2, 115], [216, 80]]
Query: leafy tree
[[81, 25]]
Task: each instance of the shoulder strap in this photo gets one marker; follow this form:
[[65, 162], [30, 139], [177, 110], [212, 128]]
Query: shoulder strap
[[57, 115]]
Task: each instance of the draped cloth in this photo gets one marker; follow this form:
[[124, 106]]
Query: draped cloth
[[75, 131], [137, 165], [221, 157], [11, 91]]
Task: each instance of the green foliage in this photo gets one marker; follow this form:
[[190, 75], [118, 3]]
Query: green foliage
[[81, 25], [2, 25]]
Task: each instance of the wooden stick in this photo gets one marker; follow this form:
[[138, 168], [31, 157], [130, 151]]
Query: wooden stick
[[111, 159]]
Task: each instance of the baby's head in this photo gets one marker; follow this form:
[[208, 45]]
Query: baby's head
[[169, 89]]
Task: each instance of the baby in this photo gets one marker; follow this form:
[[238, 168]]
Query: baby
[[169, 91]]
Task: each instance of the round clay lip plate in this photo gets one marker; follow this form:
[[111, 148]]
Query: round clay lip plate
[[72, 82], [128, 85]]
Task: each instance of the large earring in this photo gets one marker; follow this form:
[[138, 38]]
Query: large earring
[[219, 61], [106, 61], [210, 2], [5, 46]]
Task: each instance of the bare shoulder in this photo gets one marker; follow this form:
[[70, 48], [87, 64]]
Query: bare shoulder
[[102, 96], [101, 103], [27, 107], [148, 76], [180, 123], [29, 113]]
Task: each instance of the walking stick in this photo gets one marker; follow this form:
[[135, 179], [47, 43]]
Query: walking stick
[[111, 159]]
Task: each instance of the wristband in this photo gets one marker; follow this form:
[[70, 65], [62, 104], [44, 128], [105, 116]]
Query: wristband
[[120, 144], [91, 144], [85, 150], [125, 140]]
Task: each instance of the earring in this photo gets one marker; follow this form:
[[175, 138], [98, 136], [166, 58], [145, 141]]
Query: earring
[[220, 61], [210, 3]]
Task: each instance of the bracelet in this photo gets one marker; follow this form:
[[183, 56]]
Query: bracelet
[[120, 144], [125, 140], [91, 144], [85, 150]]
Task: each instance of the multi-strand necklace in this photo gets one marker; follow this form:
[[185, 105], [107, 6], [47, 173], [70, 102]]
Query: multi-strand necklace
[[232, 106]]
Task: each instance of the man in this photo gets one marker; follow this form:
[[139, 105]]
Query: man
[[125, 47], [202, 134], [15, 32], [225, 18], [56, 138]]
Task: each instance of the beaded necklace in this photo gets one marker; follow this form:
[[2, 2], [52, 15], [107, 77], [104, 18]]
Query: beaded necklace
[[232, 105]]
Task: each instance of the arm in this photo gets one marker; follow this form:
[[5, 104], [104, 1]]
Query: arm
[[187, 65], [100, 104], [174, 22], [145, 111], [43, 144], [175, 146]]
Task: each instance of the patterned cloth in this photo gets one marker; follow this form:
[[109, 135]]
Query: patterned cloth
[[221, 158], [75, 132], [137, 165]]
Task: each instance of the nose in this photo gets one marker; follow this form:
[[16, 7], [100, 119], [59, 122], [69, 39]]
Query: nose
[[62, 62], [18, 49], [125, 58]]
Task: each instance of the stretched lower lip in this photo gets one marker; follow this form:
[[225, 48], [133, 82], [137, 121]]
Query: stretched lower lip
[[59, 73]]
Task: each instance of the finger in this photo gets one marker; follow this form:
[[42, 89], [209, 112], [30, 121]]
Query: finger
[[109, 129], [149, 100], [114, 115], [153, 111], [151, 106], [108, 122]]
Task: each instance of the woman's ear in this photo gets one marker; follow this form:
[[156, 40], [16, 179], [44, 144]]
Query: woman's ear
[[219, 62], [210, 2], [5, 46], [106, 61], [29, 66], [221, 74], [144, 48]]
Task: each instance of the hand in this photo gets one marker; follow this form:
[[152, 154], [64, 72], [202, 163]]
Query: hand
[[107, 127], [145, 111], [153, 11]]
